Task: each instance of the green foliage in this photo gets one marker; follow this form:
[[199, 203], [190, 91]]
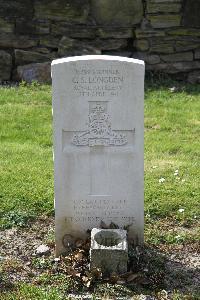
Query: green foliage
[[31, 292], [172, 123], [26, 167], [18, 218]]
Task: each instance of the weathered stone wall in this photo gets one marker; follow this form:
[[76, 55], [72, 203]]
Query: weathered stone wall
[[165, 33]]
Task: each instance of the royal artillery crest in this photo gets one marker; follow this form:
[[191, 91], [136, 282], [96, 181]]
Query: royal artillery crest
[[99, 131]]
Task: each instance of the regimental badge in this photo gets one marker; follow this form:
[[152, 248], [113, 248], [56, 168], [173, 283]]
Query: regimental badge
[[99, 131]]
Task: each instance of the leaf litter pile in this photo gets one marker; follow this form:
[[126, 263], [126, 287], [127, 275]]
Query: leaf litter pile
[[150, 268], [75, 265]]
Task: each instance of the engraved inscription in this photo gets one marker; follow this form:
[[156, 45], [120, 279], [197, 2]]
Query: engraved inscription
[[99, 131], [127, 219], [85, 210], [97, 83], [87, 207]]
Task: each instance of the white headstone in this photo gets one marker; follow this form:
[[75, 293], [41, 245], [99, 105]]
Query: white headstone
[[98, 145]]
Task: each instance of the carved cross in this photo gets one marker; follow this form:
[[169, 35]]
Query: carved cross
[[100, 141]]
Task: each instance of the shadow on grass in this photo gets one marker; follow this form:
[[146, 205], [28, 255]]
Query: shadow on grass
[[151, 272], [157, 81], [5, 283]]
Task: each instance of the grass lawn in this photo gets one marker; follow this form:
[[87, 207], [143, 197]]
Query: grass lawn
[[26, 168], [172, 181]]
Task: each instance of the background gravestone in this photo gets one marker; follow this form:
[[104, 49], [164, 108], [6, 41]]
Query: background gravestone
[[98, 145]]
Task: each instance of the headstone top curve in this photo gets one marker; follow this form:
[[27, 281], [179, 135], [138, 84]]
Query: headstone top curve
[[97, 57]]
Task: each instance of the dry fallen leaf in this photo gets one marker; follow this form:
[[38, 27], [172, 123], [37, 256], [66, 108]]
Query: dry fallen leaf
[[114, 277], [113, 226], [103, 225], [132, 277], [121, 282], [87, 245], [79, 243], [126, 275], [86, 281], [71, 272], [78, 256], [88, 284], [96, 273], [85, 278]]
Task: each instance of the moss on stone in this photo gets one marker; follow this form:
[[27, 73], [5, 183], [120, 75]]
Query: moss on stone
[[141, 45], [184, 31], [164, 21], [163, 7], [117, 12]]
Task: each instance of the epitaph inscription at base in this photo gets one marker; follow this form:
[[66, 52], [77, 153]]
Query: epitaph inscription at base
[[98, 145]]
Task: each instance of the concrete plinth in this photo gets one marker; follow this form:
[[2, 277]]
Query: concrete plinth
[[109, 250]]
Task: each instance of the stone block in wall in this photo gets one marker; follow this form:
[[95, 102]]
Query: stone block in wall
[[191, 13], [194, 77], [176, 57], [72, 11], [49, 41], [173, 68], [82, 32], [141, 45], [40, 72], [17, 41], [67, 46], [42, 27], [5, 65], [42, 50], [26, 57], [71, 47], [165, 1], [197, 54], [163, 7], [152, 59], [110, 44], [186, 44], [118, 53], [139, 33], [32, 27], [159, 45], [113, 32], [184, 32], [16, 8], [148, 58], [120, 13], [6, 26], [164, 21]]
